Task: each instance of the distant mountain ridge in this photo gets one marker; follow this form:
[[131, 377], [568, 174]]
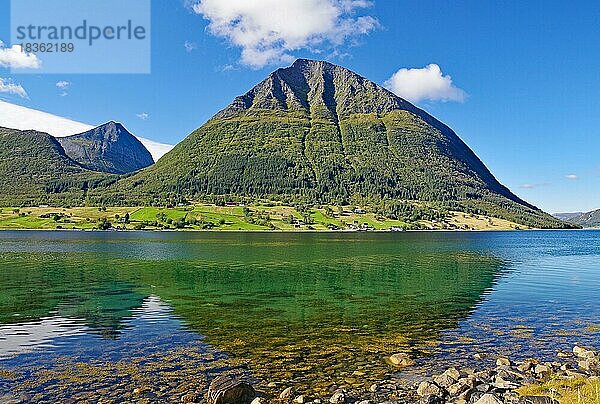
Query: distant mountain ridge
[[567, 216], [22, 118], [36, 167], [320, 133], [587, 219], [109, 148]]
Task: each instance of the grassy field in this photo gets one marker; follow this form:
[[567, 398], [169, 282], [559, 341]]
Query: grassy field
[[576, 391], [479, 222], [233, 218]]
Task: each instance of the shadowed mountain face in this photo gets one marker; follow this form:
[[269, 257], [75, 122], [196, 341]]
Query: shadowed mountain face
[[109, 148], [322, 133]]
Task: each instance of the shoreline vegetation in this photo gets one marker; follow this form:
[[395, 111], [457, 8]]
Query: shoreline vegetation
[[241, 217], [574, 378]]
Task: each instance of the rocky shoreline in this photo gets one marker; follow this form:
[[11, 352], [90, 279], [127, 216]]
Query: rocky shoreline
[[506, 382]]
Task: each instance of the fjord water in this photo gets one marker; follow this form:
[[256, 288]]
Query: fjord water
[[85, 314]]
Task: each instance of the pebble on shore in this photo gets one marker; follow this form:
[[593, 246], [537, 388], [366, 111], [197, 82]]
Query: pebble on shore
[[495, 385]]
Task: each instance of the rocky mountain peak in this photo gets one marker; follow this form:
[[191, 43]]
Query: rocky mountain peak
[[318, 88], [107, 148]]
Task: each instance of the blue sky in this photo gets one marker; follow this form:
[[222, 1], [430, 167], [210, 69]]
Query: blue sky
[[528, 71]]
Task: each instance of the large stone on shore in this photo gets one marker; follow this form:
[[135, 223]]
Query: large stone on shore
[[401, 360], [453, 373], [339, 397], [287, 393], [444, 380], [537, 400], [542, 370], [503, 384], [584, 353], [429, 389], [228, 390], [448, 378], [460, 387], [431, 400], [510, 375], [489, 399], [525, 366], [528, 364], [588, 364], [503, 362], [572, 374]]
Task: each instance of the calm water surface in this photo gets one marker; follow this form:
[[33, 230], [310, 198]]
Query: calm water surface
[[87, 315]]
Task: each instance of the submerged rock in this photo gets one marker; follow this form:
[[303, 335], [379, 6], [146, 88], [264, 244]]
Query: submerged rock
[[401, 360], [227, 390]]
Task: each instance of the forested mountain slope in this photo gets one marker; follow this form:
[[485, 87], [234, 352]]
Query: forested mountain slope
[[319, 133], [34, 169]]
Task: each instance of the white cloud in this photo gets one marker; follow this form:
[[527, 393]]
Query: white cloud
[[268, 30], [15, 58], [572, 177], [533, 186], [22, 118], [8, 87], [428, 83], [63, 85], [143, 116], [190, 46]]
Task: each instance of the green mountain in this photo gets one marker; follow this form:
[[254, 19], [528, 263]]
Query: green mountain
[[109, 148], [587, 220], [35, 169], [319, 133]]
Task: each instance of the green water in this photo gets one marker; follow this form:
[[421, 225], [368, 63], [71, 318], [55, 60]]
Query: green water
[[315, 310]]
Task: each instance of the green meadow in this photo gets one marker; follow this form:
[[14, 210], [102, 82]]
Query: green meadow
[[259, 217]]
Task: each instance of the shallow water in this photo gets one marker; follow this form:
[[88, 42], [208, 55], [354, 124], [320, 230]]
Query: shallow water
[[93, 314]]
